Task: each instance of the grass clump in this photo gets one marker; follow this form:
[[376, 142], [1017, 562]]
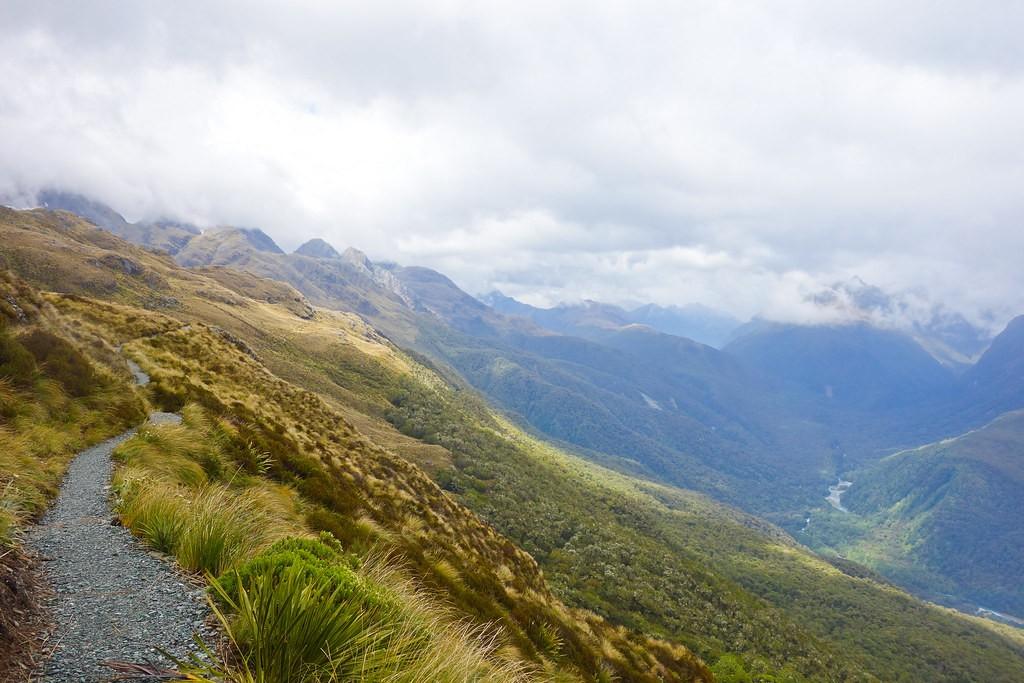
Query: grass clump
[[222, 528], [166, 497], [181, 492], [208, 529], [341, 622]]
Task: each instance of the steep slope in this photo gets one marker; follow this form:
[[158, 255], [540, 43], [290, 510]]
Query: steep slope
[[875, 390], [944, 518], [348, 485], [995, 384], [655, 558]]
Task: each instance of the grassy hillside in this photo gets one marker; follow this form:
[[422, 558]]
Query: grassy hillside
[[366, 496], [944, 519], [57, 397], [54, 400], [649, 403], [658, 560]]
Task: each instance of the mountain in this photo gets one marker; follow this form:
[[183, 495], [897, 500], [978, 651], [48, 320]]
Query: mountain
[[855, 366], [317, 248], [226, 246], [995, 384], [170, 236], [946, 334], [588, 573], [944, 518], [873, 390], [702, 324]]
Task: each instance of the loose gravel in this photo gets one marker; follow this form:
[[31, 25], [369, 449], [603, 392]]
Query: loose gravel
[[112, 599]]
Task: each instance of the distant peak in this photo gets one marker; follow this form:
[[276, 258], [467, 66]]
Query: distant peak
[[261, 240], [93, 211], [254, 237], [357, 258], [318, 248]]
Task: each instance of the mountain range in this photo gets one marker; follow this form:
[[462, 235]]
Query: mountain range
[[763, 417]]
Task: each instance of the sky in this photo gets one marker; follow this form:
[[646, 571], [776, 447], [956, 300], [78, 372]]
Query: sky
[[739, 154]]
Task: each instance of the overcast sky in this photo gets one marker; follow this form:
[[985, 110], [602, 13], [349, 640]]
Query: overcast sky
[[740, 154]]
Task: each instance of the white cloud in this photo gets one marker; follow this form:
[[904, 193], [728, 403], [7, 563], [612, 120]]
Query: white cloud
[[736, 153]]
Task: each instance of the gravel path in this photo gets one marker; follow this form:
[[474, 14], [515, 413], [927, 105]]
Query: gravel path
[[111, 598]]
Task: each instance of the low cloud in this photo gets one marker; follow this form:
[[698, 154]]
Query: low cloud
[[736, 154]]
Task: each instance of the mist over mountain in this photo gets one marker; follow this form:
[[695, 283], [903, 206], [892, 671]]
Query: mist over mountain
[[692, 321], [946, 334]]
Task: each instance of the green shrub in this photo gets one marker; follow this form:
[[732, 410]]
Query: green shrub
[[320, 560], [296, 593], [17, 365], [61, 361]]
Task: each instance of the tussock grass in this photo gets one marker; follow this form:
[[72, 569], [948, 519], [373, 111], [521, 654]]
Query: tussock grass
[[155, 512], [208, 529], [168, 496], [223, 528], [343, 623]]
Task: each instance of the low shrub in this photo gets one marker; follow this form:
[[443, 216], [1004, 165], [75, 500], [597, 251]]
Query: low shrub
[[61, 361], [17, 365]]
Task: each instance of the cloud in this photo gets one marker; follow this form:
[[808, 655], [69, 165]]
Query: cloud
[[739, 154]]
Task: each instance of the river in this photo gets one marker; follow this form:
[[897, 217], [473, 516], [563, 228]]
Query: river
[[835, 494]]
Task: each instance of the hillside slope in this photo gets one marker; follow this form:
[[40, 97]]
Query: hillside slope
[[644, 403], [362, 493], [995, 384], [656, 559], [944, 518], [873, 390]]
